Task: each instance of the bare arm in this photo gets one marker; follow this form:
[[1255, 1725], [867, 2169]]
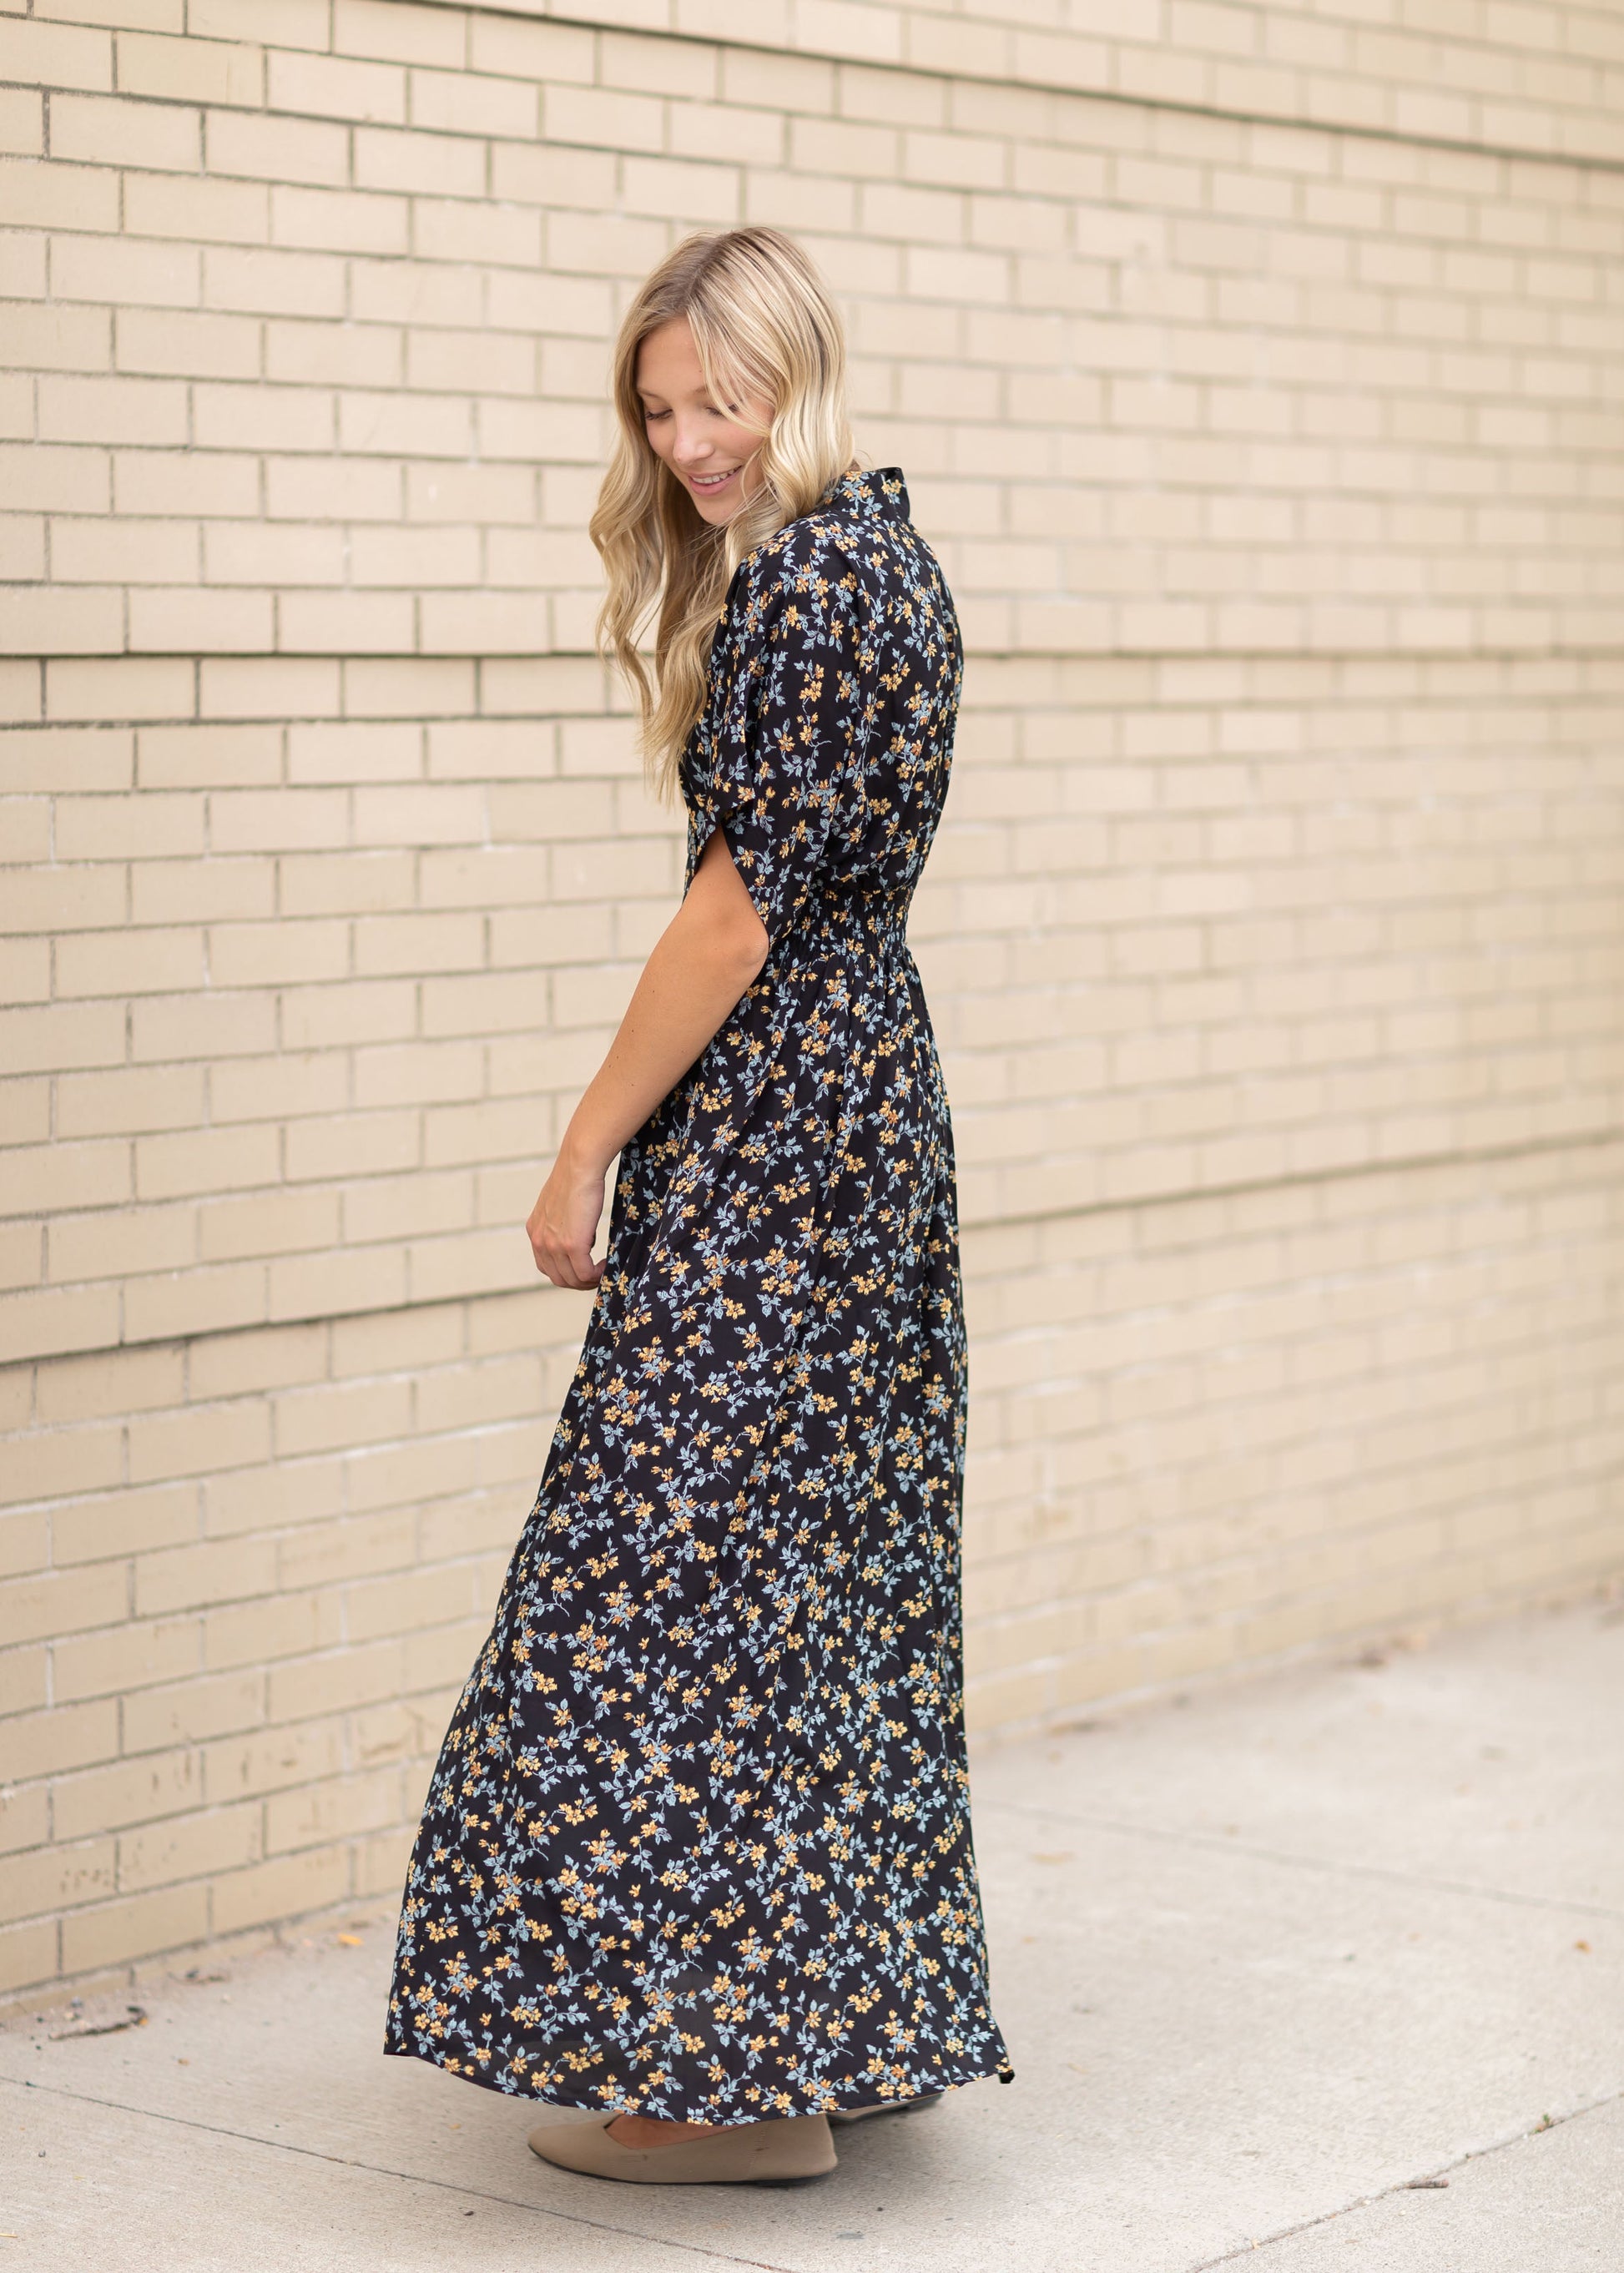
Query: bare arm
[[702, 962]]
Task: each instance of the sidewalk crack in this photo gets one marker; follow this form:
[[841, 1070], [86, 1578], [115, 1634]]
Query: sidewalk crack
[[1421, 2178], [700, 2250], [986, 1803]]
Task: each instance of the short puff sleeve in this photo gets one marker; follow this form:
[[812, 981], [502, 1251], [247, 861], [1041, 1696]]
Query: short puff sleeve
[[779, 773]]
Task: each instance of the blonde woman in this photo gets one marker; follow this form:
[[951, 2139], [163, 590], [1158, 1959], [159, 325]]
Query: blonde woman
[[697, 1853]]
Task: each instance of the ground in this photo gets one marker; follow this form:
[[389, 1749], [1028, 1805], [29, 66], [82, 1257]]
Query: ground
[[1273, 1964]]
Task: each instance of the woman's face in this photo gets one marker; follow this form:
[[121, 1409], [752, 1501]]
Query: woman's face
[[712, 458]]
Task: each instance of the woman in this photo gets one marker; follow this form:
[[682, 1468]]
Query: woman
[[697, 1849]]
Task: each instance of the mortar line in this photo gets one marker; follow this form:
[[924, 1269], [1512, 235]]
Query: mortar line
[[1400, 2186], [411, 2178], [1212, 1844]]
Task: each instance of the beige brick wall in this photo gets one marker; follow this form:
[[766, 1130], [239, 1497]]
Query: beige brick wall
[[1255, 371]]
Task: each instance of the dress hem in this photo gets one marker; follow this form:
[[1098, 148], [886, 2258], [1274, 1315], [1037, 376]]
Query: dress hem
[[945, 2080]]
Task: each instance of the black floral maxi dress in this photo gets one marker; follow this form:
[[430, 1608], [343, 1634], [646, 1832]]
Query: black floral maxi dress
[[698, 1841]]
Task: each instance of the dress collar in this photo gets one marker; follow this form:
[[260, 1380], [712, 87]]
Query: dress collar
[[881, 493]]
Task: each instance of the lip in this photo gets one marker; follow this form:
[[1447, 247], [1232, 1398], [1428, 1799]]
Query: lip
[[710, 486]]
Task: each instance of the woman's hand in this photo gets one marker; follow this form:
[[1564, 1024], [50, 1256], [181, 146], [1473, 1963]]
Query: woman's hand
[[563, 1222], [702, 964]]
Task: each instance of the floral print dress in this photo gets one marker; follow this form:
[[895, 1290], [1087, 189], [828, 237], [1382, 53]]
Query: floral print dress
[[698, 1842]]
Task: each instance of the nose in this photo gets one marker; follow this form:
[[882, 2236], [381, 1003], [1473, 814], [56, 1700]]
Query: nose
[[692, 447]]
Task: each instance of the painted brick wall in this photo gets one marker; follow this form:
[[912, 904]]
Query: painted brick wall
[[1257, 371]]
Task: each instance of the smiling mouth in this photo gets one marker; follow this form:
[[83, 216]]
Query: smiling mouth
[[710, 482]]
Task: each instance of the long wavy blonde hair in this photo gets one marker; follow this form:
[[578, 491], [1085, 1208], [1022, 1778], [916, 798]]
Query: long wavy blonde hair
[[763, 326]]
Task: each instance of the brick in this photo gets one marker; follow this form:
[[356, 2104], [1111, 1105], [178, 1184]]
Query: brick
[[118, 688], [83, 1034], [41, 621], [135, 962], [192, 69], [339, 220], [22, 122], [116, 409], [415, 558], [404, 424], [28, 1954], [277, 953], [284, 23], [187, 344], [447, 228], [355, 752], [415, 292], [196, 1301], [128, 549], [115, 1933], [396, 32], [93, 1530], [126, 271], [346, 884], [215, 1570], [183, 619], [281, 1223], [317, 1286], [57, 339], [206, 486], [130, 1658], [126, 1099], [36, 478], [343, 489], [43, 1323], [279, 1890], [271, 1759], [217, 212], [602, 118], [62, 1602], [226, 1026], [296, 686], [465, 103], [192, 1711], [168, 1854], [50, 1742], [390, 158], [43, 54], [340, 623], [337, 1810], [38, 193], [254, 552], [117, 131], [317, 355], [273, 283], [333, 87], [134, 826], [24, 1683], [92, 1245], [262, 417], [55, 1879], [205, 1160], [402, 689], [195, 757], [277, 149], [516, 49]]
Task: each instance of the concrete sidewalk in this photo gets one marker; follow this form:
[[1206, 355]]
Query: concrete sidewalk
[[1270, 1967]]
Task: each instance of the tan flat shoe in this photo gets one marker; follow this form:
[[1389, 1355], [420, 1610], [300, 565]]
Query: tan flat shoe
[[785, 2151], [914, 2106]]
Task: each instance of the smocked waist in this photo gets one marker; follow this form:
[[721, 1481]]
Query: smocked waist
[[854, 916]]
